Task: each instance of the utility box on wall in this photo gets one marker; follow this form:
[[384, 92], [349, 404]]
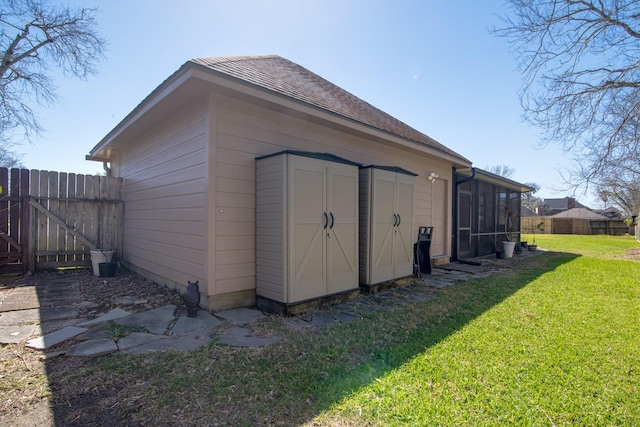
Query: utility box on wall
[[306, 226], [386, 224]]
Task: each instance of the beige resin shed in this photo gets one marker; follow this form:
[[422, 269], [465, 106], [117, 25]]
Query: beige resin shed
[[190, 153]]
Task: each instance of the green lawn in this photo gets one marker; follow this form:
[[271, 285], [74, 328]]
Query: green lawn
[[562, 350], [551, 341], [600, 246]]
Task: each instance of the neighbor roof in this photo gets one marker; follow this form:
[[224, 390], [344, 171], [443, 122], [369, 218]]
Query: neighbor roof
[[581, 213], [289, 79], [563, 203]]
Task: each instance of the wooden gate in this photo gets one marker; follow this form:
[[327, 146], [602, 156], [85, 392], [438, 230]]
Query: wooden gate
[[51, 220], [14, 220]]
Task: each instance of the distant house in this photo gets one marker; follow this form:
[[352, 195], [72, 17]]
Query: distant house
[[610, 212], [526, 212], [579, 213], [247, 173], [555, 206]]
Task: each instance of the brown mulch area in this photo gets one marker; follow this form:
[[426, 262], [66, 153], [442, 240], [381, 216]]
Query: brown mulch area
[[35, 386]]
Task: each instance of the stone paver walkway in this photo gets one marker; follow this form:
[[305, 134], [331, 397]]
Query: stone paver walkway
[[46, 314]]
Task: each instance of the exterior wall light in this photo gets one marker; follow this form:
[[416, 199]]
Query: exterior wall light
[[432, 177]]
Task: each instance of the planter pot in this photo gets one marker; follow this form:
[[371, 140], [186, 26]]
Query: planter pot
[[524, 245], [98, 256], [508, 248], [500, 255], [532, 248]]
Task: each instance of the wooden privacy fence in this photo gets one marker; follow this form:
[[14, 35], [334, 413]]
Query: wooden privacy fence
[[51, 219], [551, 225]]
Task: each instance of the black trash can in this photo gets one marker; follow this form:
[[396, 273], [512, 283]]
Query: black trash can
[[107, 269], [422, 257]]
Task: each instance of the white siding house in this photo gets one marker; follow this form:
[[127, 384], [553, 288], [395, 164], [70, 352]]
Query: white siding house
[[188, 154]]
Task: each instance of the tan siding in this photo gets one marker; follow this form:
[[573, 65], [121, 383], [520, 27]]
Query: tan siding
[[246, 131], [190, 188], [164, 172], [237, 284]]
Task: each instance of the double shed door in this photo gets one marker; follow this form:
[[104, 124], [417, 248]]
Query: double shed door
[[391, 244], [323, 228]]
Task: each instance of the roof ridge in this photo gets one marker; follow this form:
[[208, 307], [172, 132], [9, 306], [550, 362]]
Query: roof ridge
[[230, 59]]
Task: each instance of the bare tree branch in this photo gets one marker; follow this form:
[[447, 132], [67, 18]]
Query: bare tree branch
[[580, 61], [36, 35]]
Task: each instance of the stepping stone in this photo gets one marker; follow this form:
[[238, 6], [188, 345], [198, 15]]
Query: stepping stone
[[98, 332], [116, 313], [202, 320], [405, 290], [155, 321], [137, 339], [297, 323], [187, 342], [20, 317], [439, 284], [56, 313], [53, 325], [422, 297], [241, 316], [345, 317], [343, 307], [242, 337], [93, 348], [16, 334], [321, 318], [56, 337]]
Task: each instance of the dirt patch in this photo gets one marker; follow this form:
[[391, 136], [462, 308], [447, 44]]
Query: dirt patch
[[633, 254]]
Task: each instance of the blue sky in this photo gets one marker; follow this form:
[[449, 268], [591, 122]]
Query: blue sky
[[431, 64]]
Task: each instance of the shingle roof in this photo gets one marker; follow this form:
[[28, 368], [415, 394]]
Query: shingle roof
[[287, 78], [581, 213]]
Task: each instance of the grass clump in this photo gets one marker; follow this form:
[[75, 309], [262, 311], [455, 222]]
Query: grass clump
[[121, 331]]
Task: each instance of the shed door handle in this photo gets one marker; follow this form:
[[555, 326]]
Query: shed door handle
[[399, 219], [326, 220], [333, 220]]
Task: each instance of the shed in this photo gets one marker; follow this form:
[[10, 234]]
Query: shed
[[188, 152]]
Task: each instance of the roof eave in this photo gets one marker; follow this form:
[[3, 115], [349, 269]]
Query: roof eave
[[163, 90], [492, 178]]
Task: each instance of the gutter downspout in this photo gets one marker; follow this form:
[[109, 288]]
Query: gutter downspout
[[462, 181]]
